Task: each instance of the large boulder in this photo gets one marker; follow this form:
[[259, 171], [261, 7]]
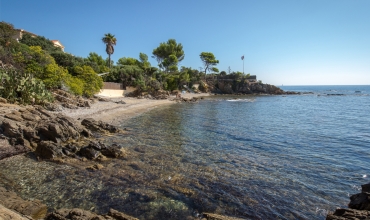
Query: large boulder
[[94, 125], [49, 150], [89, 153], [95, 149], [360, 201], [114, 151], [359, 207]]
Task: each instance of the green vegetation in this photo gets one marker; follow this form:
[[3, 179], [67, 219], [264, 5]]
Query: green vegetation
[[109, 41], [44, 43], [41, 66], [23, 88], [33, 67], [168, 55], [209, 61]]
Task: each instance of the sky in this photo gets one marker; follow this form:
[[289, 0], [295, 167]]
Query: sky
[[290, 42]]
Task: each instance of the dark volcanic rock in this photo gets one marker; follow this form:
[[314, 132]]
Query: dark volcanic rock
[[359, 207], [366, 188], [360, 201]]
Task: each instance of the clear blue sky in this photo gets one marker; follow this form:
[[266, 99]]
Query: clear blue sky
[[290, 42]]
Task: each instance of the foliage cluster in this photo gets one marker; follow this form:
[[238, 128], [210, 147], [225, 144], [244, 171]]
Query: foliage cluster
[[17, 86], [40, 59], [40, 66], [40, 41]]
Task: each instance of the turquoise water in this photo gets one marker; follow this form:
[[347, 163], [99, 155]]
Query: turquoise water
[[255, 157]]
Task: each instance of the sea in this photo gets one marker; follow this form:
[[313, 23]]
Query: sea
[[252, 157]]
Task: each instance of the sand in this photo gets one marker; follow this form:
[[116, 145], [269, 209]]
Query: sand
[[114, 113]]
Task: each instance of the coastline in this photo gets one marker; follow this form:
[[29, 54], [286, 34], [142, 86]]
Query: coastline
[[133, 163], [110, 110]]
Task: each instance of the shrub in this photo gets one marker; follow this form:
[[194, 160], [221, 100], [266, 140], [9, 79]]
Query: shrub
[[92, 83], [22, 87], [40, 41], [75, 85], [53, 75]]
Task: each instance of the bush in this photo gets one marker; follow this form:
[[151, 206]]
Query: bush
[[75, 85], [40, 41], [22, 87], [92, 83], [53, 76]]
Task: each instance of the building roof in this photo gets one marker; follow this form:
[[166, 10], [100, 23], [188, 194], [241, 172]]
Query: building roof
[[57, 43]]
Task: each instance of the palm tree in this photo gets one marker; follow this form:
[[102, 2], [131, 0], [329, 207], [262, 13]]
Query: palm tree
[[109, 40]]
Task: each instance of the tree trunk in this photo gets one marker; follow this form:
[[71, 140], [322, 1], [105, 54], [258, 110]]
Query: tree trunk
[[109, 61]]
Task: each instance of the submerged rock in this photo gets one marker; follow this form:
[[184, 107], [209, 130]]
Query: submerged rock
[[211, 216], [11, 200], [80, 214], [345, 214]]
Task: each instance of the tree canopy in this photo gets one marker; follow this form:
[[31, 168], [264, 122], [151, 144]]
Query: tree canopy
[[109, 41], [209, 61], [168, 55], [44, 43], [7, 33]]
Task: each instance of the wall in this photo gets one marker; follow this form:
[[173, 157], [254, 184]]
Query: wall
[[114, 86]]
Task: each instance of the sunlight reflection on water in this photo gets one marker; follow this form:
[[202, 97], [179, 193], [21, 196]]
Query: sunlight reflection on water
[[277, 157]]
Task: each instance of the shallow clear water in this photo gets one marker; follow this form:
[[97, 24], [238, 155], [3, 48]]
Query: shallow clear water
[[258, 157]]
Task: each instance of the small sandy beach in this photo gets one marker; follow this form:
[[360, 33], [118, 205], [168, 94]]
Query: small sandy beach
[[110, 111]]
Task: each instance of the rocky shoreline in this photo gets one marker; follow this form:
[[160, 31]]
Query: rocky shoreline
[[358, 207], [53, 136], [56, 137]]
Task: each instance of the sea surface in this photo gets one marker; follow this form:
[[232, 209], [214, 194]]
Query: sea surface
[[253, 157]]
